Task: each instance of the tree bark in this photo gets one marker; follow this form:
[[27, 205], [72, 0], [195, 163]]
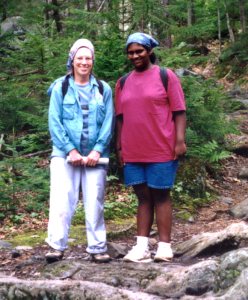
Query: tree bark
[[56, 15], [219, 25], [231, 34], [190, 12], [4, 9], [242, 15], [167, 40]]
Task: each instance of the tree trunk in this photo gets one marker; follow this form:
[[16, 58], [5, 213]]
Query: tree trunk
[[231, 34], [219, 25], [3, 7], [56, 15], [242, 15], [190, 12], [164, 33]]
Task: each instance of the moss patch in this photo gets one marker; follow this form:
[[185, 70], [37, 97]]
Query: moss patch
[[77, 234]]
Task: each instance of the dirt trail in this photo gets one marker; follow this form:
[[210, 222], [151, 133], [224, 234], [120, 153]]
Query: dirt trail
[[215, 216]]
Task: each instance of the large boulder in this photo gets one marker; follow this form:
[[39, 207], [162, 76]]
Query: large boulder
[[12, 25]]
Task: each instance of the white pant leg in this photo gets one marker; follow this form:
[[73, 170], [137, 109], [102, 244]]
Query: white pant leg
[[93, 190], [64, 194]]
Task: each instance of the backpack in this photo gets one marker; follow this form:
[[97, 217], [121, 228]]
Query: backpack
[[163, 76], [65, 85]]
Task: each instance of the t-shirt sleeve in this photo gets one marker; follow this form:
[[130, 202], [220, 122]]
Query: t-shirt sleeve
[[175, 92], [118, 107]]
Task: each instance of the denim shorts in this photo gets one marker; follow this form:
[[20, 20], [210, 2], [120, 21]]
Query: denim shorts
[[156, 175]]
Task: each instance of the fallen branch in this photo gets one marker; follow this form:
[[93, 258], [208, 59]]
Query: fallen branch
[[36, 153], [21, 74]]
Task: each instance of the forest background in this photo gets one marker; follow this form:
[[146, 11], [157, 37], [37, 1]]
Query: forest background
[[206, 40]]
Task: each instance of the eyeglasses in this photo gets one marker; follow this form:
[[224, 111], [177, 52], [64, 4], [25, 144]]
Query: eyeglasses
[[137, 52]]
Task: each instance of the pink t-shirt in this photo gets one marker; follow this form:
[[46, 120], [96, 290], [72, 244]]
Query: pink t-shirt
[[148, 131]]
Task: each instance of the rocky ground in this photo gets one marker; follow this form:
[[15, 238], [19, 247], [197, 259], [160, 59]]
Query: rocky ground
[[210, 218]]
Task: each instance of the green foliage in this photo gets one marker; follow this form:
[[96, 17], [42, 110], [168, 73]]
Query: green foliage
[[31, 61], [120, 209], [181, 56], [190, 191], [24, 183], [203, 25], [205, 115], [210, 152], [114, 207], [234, 59]]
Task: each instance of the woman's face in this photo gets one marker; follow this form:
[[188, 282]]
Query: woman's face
[[139, 56], [82, 63]]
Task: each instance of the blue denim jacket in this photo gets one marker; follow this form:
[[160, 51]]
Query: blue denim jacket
[[65, 118]]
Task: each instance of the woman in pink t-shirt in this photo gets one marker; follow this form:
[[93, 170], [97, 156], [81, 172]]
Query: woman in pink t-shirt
[[150, 127]]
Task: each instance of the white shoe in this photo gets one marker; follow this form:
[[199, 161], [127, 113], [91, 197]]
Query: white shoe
[[164, 253], [137, 254]]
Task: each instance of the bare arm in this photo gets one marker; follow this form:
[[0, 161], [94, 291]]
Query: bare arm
[[180, 123]]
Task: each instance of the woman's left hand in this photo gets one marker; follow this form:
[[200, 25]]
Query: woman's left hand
[[180, 149], [92, 158]]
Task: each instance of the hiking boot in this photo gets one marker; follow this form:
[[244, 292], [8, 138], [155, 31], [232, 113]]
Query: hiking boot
[[164, 253], [100, 257], [138, 254], [54, 255]]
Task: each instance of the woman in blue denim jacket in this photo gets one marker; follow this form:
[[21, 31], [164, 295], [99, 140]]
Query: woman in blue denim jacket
[[80, 124]]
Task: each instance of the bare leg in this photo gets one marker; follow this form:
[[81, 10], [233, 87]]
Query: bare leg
[[163, 210], [145, 214]]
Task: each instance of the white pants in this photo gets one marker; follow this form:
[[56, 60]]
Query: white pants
[[65, 181]]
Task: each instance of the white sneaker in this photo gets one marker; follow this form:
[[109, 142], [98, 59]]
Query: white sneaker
[[164, 253], [137, 254]]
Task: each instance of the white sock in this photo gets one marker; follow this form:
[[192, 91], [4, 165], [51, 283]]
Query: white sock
[[142, 241], [164, 245]]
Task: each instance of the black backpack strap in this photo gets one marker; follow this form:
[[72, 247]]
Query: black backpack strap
[[65, 85], [123, 80], [100, 86], [164, 77]]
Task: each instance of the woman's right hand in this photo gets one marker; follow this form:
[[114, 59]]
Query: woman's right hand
[[76, 159]]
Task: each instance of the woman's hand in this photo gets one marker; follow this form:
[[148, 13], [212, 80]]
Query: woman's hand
[[76, 159], [92, 158], [180, 149]]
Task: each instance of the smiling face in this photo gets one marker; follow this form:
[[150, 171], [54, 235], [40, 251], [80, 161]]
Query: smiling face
[[139, 57], [82, 65]]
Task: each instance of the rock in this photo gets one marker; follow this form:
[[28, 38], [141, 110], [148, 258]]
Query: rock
[[240, 210], [117, 250], [226, 200], [238, 144], [15, 253], [185, 72], [12, 24], [244, 102], [23, 248], [231, 265], [13, 288], [5, 245], [243, 174], [191, 280], [239, 290], [213, 242]]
